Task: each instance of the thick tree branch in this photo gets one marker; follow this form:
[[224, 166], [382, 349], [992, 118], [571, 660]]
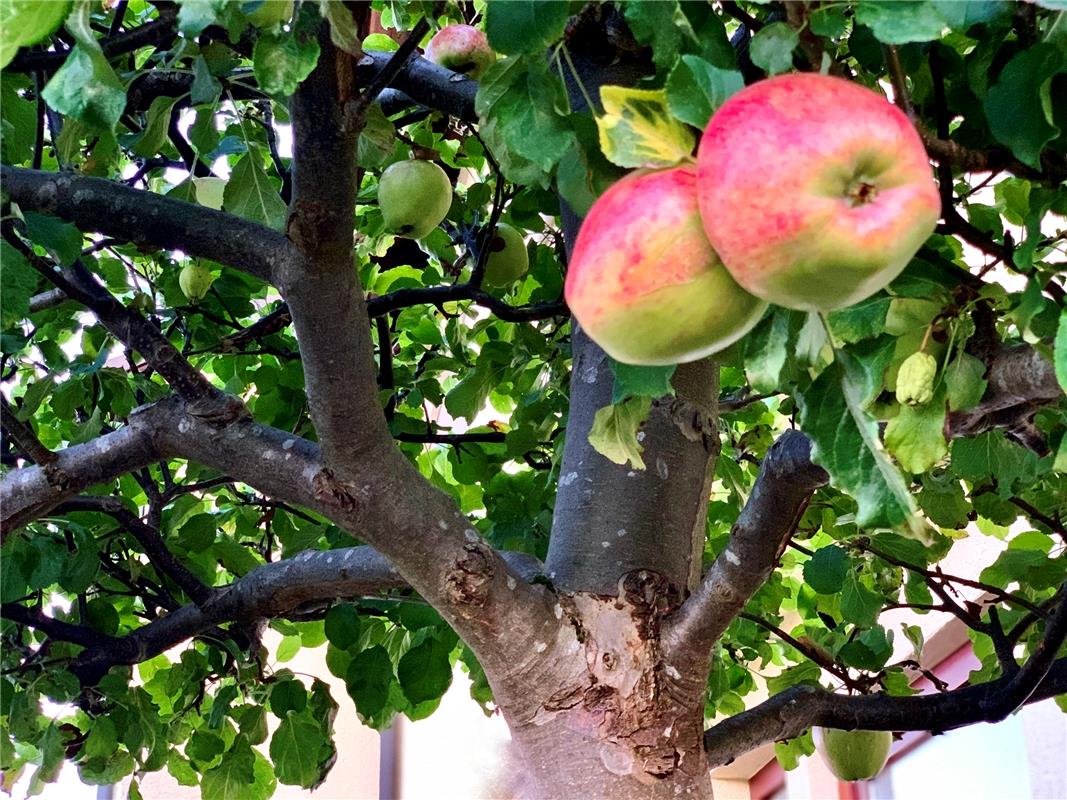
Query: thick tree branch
[[1020, 380], [425, 83], [30, 492], [322, 287], [386, 503], [311, 579], [786, 481], [147, 219], [793, 711]]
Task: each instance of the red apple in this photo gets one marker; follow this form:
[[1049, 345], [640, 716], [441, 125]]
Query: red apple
[[643, 281], [815, 192], [461, 48]]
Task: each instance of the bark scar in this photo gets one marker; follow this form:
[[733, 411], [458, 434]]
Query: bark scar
[[468, 581], [333, 492]]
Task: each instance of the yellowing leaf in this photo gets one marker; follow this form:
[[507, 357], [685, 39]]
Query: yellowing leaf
[[615, 431], [637, 129]]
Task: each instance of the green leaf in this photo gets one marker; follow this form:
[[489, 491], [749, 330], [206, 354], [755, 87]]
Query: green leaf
[[243, 774], [249, 194], [901, 21], [523, 108], [195, 15], [343, 31], [377, 139], [962, 14], [525, 26], [298, 749], [282, 61], [829, 21], [614, 431], [638, 130], [424, 671], [288, 648], [1019, 106], [287, 695], [916, 435], [342, 625], [653, 22], [772, 48], [825, 571], [696, 89], [155, 130], [861, 320], [943, 501], [767, 349], [59, 238], [964, 382], [845, 443], [1060, 351], [805, 672], [859, 605], [789, 753], [26, 22], [86, 87], [991, 455], [368, 679], [468, 397], [18, 281], [205, 87], [915, 636], [635, 381]]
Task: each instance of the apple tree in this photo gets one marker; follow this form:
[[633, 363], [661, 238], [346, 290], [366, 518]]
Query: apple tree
[[355, 440]]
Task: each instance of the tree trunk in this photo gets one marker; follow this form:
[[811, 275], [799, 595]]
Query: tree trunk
[[601, 714]]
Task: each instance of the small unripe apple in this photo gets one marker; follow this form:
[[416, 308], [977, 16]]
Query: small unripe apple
[[643, 281], [815, 191], [270, 13], [414, 196], [195, 280], [915, 379], [853, 755], [508, 259], [461, 48]]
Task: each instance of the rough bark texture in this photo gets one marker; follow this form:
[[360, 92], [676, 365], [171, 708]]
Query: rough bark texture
[[603, 715]]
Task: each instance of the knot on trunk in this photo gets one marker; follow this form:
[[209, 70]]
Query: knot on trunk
[[468, 581], [328, 489]]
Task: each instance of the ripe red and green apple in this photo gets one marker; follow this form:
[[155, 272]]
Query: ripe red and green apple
[[643, 281], [815, 192], [461, 48]]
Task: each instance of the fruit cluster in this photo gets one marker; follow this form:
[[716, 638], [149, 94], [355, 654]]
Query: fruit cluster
[[810, 192]]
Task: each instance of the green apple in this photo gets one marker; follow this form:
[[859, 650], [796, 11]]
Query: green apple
[[853, 755], [815, 191], [643, 281], [269, 13], [508, 259], [195, 280], [414, 196]]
